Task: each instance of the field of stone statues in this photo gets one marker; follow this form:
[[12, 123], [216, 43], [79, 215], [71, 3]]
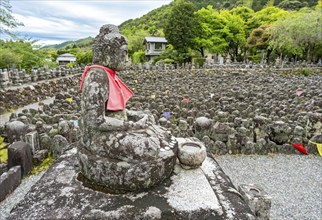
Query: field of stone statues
[[233, 111]]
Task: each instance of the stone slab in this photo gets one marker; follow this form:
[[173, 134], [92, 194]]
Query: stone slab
[[19, 153], [9, 181], [187, 194], [258, 200]]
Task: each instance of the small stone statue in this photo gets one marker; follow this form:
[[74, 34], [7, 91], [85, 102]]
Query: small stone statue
[[119, 150]]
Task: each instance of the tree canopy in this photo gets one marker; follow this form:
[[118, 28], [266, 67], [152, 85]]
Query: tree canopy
[[7, 21], [194, 28], [181, 27], [299, 35]]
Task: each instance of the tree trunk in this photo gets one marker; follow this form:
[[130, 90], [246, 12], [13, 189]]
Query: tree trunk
[[308, 55], [268, 53], [202, 52], [245, 54], [236, 54]]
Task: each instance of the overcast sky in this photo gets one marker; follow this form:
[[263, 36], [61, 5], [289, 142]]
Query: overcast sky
[[56, 21]]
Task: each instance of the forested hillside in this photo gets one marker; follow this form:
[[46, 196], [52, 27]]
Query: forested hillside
[[70, 44], [244, 30], [256, 5], [152, 24]]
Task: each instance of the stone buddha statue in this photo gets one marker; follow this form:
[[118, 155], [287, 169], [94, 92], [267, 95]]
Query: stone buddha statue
[[119, 150]]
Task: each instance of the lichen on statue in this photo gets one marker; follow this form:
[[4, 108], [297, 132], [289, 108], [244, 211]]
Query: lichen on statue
[[119, 149]]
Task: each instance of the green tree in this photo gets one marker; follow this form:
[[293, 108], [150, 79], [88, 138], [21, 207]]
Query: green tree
[[235, 34], [290, 5], [212, 32], [9, 58], [246, 14], [84, 56], [268, 15], [21, 53], [139, 56], [259, 40], [182, 26], [7, 21], [299, 35], [135, 40]]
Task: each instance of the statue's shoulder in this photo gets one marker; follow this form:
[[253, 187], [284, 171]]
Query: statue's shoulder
[[96, 74], [98, 70]]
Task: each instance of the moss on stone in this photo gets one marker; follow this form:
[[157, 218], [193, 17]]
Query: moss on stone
[[43, 166], [3, 155], [3, 150]]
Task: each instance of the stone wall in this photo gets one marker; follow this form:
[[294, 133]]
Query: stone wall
[[12, 98], [210, 64], [15, 77]]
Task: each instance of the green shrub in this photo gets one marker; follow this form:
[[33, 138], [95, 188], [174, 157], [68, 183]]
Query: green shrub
[[304, 72], [167, 60], [138, 57], [199, 61]]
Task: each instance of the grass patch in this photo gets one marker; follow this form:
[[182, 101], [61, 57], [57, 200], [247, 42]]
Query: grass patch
[[10, 110], [3, 155], [43, 166], [3, 151]]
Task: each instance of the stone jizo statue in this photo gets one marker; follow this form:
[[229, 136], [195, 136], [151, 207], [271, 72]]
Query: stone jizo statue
[[119, 149]]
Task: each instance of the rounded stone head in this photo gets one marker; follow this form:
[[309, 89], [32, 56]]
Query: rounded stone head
[[110, 48]]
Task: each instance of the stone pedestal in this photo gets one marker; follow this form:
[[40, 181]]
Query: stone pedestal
[[32, 138], [4, 79], [9, 181], [187, 194], [19, 153], [258, 200]]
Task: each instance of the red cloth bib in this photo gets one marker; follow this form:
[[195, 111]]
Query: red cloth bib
[[119, 93]]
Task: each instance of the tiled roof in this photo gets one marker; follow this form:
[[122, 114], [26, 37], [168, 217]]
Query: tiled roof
[[155, 39]]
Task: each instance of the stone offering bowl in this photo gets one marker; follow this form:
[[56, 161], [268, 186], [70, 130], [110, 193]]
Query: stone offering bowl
[[191, 154]]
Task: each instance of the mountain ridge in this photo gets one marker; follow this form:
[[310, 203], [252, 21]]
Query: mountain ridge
[[83, 42]]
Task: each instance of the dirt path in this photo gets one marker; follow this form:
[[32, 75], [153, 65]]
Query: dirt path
[[5, 117]]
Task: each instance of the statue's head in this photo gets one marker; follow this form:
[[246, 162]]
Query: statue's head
[[110, 48]]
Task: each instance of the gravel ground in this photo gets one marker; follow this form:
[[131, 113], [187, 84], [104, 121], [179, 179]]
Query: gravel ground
[[17, 195], [293, 181]]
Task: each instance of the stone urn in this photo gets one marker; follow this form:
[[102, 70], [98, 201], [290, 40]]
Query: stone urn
[[191, 154]]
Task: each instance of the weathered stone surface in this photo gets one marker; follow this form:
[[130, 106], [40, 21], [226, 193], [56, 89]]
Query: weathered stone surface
[[59, 145], [279, 132], [257, 199], [260, 127], [202, 123], [9, 181], [191, 154], [39, 156], [3, 168], [19, 153], [32, 138], [186, 195], [110, 47], [45, 142], [219, 147], [16, 131], [312, 148]]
